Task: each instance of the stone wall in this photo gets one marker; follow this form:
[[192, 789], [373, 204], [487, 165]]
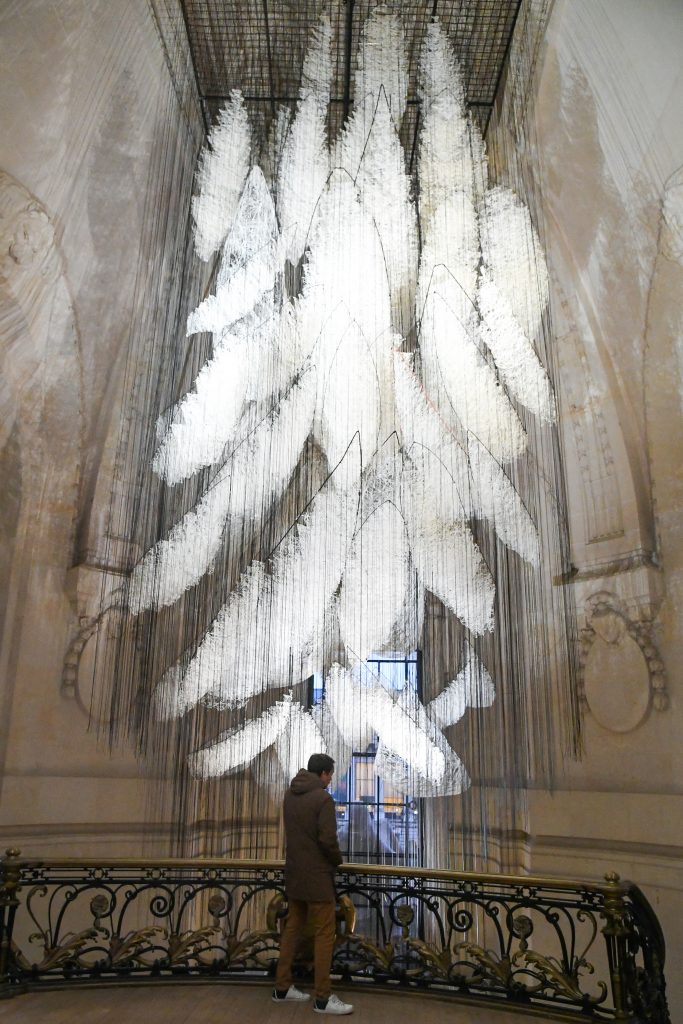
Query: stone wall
[[101, 131], [602, 148]]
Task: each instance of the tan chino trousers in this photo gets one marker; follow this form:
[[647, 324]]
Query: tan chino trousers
[[322, 918]]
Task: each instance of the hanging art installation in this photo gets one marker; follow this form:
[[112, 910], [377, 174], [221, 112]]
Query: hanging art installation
[[365, 406]]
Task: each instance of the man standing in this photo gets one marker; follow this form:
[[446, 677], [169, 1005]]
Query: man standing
[[312, 854]]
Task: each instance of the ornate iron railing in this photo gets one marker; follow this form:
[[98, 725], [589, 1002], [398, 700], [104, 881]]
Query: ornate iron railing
[[569, 947]]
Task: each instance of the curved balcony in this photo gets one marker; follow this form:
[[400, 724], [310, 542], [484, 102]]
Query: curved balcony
[[561, 948]]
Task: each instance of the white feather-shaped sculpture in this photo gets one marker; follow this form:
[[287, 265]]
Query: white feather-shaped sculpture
[[514, 257], [343, 409], [471, 688], [363, 708], [515, 357], [305, 163], [439, 78], [250, 364], [446, 163], [445, 555], [271, 620], [335, 745], [300, 738], [422, 429], [251, 261], [455, 374], [255, 474], [496, 499], [382, 67], [223, 168], [451, 256], [348, 708], [376, 582], [513, 294], [202, 423], [373, 157], [345, 274], [345, 281], [405, 773], [416, 446], [238, 747], [453, 367]]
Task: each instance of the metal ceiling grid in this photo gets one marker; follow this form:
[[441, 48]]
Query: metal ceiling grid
[[258, 46]]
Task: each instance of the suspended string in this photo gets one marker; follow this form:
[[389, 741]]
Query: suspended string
[[340, 464]]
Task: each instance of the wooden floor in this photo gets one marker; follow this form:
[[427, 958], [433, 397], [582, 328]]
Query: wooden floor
[[231, 1004]]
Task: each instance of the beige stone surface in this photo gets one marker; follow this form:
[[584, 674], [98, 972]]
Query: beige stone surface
[[95, 110], [607, 152]]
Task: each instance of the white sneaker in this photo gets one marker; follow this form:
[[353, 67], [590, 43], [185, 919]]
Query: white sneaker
[[334, 1006], [292, 995]]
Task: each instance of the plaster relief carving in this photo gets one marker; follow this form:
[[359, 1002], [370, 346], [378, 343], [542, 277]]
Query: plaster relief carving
[[622, 675], [26, 233], [95, 595], [86, 628], [599, 490]]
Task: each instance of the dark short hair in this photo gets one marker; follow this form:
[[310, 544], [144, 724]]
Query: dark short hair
[[319, 763]]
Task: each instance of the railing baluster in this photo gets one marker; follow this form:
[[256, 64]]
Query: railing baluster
[[616, 931], [491, 938], [10, 883]]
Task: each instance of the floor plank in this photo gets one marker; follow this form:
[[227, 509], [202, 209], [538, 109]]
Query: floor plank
[[230, 1004]]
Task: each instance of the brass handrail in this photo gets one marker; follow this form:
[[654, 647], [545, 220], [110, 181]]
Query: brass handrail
[[208, 863], [465, 934]]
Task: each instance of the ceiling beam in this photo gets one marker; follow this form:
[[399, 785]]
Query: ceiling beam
[[348, 41], [271, 77], [249, 98]]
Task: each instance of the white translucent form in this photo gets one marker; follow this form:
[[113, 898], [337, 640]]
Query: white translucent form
[[345, 280], [514, 258], [351, 720], [223, 168], [469, 395], [471, 688], [497, 500], [404, 772], [344, 408], [238, 747], [304, 170], [451, 257], [246, 363], [515, 357], [423, 430], [255, 474], [270, 622], [305, 163], [439, 76], [376, 162], [352, 701], [445, 158], [445, 555], [345, 275], [375, 586], [317, 70], [335, 745], [382, 68], [298, 740], [251, 261]]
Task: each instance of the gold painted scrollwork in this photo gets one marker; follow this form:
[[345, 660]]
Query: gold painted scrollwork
[[551, 975]]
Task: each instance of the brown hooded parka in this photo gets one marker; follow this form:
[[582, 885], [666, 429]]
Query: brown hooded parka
[[311, 836]]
